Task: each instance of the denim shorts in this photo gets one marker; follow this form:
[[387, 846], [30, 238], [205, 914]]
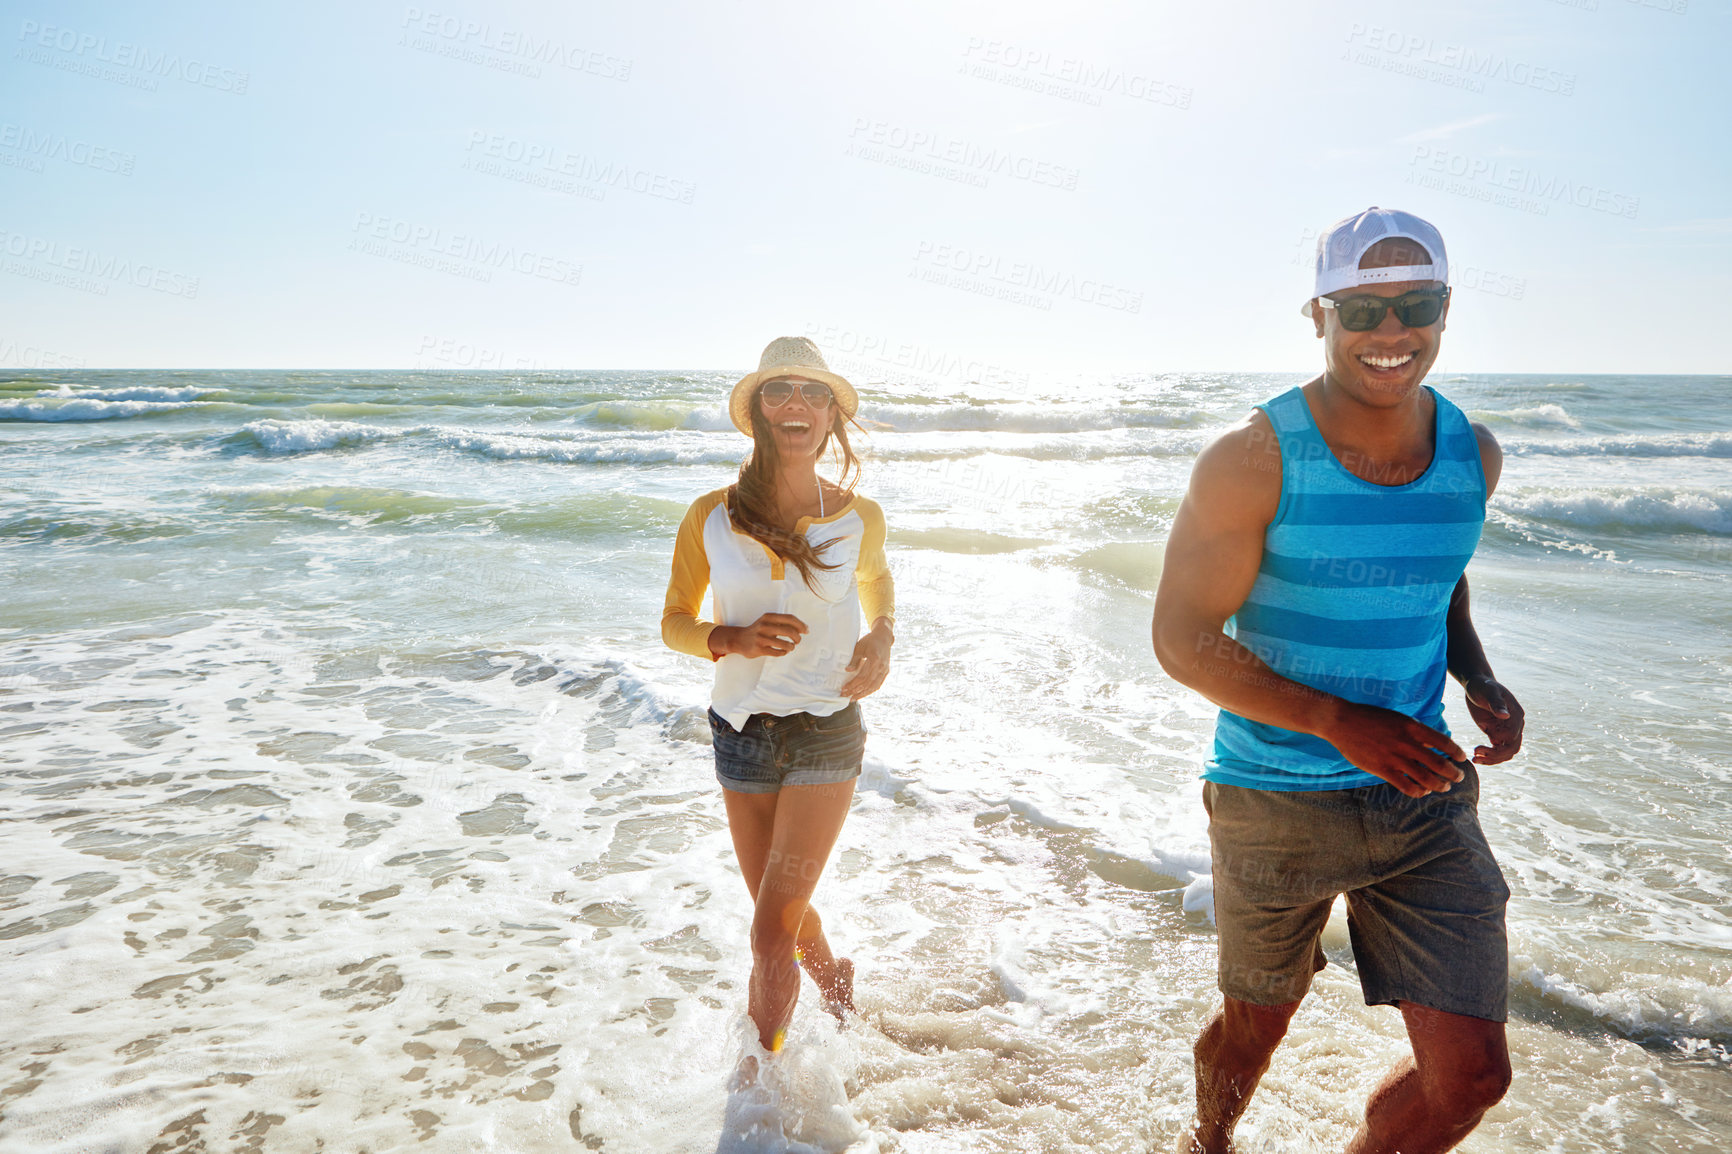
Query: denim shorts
[[1425, 897], [770, 752]]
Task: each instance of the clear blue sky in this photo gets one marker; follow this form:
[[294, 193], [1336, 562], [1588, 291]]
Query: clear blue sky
[[1078, 188]]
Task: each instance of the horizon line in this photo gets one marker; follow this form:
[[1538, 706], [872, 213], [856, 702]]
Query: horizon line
[[639, 369]]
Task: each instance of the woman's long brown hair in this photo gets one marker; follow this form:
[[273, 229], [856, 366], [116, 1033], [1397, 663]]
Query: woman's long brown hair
[[752, 498]]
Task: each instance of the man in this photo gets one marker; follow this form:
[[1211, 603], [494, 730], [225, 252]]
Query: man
[[1314, 590]]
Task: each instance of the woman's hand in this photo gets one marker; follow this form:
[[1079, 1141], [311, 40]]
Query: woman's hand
[[871, 662], [772, 635]]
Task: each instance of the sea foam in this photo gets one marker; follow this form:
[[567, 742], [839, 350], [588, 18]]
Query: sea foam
[[1547, 416], [306, 436], [1714, 444], [1663, 510], [55, 407]]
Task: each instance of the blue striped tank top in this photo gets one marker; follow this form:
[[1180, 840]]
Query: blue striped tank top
[[1352, 594]]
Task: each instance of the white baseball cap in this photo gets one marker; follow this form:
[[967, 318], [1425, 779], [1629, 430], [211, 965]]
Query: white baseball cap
[[1344, 243]]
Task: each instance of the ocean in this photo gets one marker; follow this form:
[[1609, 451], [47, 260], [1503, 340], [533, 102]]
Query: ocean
[[349, 800]]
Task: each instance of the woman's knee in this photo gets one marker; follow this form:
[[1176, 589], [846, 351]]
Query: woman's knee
[[776, 926], [811, 925]]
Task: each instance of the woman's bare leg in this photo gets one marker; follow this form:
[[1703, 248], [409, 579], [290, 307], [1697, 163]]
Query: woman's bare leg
[[834, 976], [751, 822], [783, 841]]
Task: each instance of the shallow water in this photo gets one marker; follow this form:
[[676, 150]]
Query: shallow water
[[350, 800]]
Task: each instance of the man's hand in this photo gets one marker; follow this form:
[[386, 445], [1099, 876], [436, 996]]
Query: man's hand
[[871, 662], [772, 635], [1396, 748], [1495, 710]]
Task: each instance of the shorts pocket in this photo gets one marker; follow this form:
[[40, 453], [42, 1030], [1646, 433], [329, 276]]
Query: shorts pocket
[[731, 743]]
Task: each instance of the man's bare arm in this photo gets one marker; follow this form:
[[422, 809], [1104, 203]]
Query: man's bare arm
[[1493, 707], [1211, 563], [1466, 656]]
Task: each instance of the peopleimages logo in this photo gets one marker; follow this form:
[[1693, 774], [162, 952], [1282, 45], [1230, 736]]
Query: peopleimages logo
[[1066, 77], [88, 51], [1475, 63], [1521, 180], [88, 270], [556, 162], [923, 150], [1019, 282], [458, 354], [472, 40], [48, 146], [33, 357], [873, 352], [461, 254]]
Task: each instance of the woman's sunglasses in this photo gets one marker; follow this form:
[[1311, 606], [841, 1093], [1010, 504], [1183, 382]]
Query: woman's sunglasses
[[778, 393], [1417, 310]]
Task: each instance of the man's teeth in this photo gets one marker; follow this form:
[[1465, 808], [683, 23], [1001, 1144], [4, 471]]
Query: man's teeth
[[1386, 362]]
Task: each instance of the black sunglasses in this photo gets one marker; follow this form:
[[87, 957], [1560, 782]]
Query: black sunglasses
[[1417, 310]]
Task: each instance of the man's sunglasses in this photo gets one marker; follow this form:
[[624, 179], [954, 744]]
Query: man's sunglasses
[[1417, 310], [778, 393]]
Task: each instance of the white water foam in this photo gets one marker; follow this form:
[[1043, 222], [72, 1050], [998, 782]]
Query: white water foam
[[1023, 881], [1547, 416], [1660, 509], [645, 449], [1716, 444], [1669, 1010], [139, 392], [83, 408], [311, 435]]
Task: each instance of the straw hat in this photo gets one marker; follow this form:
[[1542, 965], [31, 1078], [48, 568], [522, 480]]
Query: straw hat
[[788, 357]]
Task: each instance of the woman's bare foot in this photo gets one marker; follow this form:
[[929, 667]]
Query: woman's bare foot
[[839, 993], [745, 1074]]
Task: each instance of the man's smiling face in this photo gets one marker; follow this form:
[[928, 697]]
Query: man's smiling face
[[1382, 366]]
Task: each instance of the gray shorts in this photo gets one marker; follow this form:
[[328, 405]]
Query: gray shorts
[[1425, 897], [769, 752]]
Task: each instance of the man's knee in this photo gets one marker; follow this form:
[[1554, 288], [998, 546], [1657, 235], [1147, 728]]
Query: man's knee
[[1257, 1026], [1243, 1035], [1482, 1085], [1467, 1070]]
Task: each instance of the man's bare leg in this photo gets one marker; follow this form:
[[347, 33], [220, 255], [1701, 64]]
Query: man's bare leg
[[1431, 1101], [1232, 1054]]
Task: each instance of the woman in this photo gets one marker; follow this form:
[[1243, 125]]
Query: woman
[[797, 565]]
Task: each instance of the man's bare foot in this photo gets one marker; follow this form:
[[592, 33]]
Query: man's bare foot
[[839, 995]]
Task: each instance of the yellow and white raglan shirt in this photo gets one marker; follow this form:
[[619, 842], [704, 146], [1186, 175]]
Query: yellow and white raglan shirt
[[747, 580]]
